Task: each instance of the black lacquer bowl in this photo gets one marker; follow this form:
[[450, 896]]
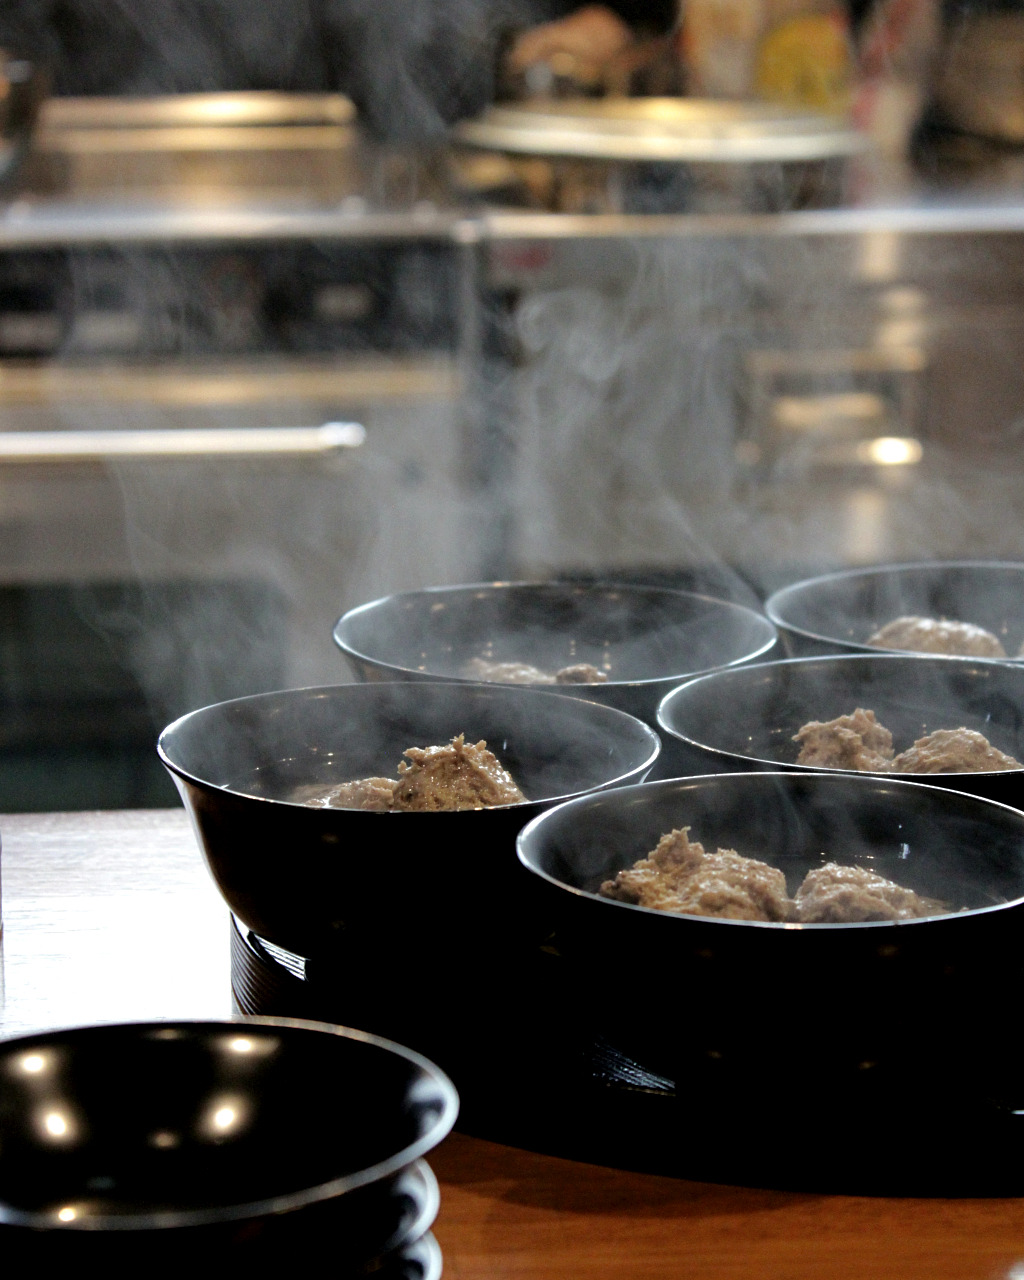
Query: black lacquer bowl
[[776, 1020], [196, 1143], [329, 882], [731, 721], [646, 639], [837, 612]]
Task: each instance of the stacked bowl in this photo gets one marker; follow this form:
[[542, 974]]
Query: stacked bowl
[[220, 1144]]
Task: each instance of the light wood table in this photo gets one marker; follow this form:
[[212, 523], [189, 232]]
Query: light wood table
[[112, 916]]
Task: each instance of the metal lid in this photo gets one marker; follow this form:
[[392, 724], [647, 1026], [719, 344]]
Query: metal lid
[[670, 129]]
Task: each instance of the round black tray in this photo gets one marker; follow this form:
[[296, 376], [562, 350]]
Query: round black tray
[[533, 1070]]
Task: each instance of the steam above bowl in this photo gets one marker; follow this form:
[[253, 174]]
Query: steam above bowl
[[644, 640], [839, 612], [746, 718], [215, 1143]]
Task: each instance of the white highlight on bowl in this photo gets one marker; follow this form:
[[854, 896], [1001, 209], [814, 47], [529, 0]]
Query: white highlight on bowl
[[56, 1124], [224, 1117]]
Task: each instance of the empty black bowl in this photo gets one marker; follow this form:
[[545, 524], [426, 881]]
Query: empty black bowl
[[837, 613], [646, 639], [730, 721], [320, 882], [814, 1011], [201, 1142]]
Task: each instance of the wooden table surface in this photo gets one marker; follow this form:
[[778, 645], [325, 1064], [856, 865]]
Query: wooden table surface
[[112, 916]]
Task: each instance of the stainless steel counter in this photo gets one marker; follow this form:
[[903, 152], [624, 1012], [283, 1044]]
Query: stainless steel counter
[[29, 220], [265, 166]]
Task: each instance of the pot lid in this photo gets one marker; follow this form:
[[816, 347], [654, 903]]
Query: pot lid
[[670, 129]]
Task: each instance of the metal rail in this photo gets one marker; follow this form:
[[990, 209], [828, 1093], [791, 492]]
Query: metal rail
[[188, 442]]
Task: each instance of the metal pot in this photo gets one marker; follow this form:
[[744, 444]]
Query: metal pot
[[667, 155]]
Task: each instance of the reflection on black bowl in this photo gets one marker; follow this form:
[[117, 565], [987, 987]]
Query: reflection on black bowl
[[838, 612], [814, 1011], [420, 1260], [745, 719], [192, 1142], [316, 881], [645, 639]]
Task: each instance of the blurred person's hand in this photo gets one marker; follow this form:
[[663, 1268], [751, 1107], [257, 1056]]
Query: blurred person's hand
[[577, 47]]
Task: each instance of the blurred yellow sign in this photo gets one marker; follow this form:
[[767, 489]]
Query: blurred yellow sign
[[807, 61]]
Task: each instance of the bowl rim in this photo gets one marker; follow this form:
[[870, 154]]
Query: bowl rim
[[426, 1250], [370, 605], [171, 1219], [881, 656], [490, 688], [781, 597], [777, 926]]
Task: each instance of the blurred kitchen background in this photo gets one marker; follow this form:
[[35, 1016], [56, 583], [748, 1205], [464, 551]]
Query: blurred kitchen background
[[307, 302]]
